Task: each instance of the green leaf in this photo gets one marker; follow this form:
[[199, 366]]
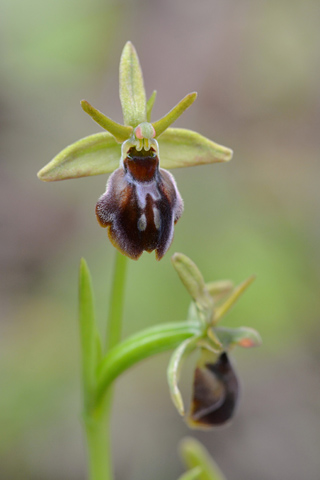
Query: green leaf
[[195, 455], [132, 92], [92, 155], [150, 104], [174, 369], [184, 148], [193, 474], [90, 340], [120, 132], [161, 125], [243, 337], [192, 279], [142, 345]]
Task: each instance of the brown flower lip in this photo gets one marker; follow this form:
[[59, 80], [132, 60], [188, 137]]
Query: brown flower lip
[[140, 206], [215, 394]]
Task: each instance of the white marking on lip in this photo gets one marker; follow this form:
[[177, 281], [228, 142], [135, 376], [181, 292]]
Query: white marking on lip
[[156, 218], [142, 223], [144, 189]]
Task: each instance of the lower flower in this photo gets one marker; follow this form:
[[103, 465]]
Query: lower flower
[[140, 206], [215, 394]]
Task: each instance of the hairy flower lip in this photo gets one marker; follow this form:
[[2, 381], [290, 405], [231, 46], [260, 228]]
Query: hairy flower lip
[[140, 206], [215, 394]]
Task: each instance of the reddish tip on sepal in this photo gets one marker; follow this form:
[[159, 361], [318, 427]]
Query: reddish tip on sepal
[[140, 206]]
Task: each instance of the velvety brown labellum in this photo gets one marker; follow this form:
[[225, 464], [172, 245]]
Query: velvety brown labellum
[[215, 393], [140, 206]]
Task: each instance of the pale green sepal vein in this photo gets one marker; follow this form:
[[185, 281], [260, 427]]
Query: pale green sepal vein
[[90, 340], [195, 455], [161, 125], [120, 132], [150, 104], [193, 474], [174, 369], [180, 147], [132, 92], [93, 155]]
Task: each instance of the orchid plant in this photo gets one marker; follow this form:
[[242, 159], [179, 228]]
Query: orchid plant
[[139, 209]]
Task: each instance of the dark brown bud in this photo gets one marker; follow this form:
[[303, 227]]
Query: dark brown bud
[[140, 206], [215, 394]]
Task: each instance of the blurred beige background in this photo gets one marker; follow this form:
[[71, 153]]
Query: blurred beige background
[[256, 67]]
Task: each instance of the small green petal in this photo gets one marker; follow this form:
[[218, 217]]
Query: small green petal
[[120, 132], [195, 455], [243, 337], [92, 155], [174, 369], [150, 104], [184, 148], [161, 125], [132, 92], [192, 279]]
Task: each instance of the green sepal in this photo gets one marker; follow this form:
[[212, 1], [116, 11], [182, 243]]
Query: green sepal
[[89, 335], [180, 147], [120, 132], [100, 154], [195, 455], [161, 125], [193, 474], [231, 300], [132, 92], [193, 280], [243, 337], [150, 104], [92, 155], [219, 289], [174, 369]]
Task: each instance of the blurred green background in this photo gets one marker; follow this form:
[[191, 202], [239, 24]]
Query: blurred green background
[[256, 67]]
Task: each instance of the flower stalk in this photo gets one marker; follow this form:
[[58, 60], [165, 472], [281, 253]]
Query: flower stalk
[[114, 324], [101, 370]]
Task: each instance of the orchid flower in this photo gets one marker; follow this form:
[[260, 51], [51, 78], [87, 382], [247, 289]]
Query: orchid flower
[[215, 384], [141, 203]]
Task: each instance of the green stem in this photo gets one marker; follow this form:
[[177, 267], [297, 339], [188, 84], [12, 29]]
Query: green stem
[[98, 449], [114, 326], [97, 422]]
